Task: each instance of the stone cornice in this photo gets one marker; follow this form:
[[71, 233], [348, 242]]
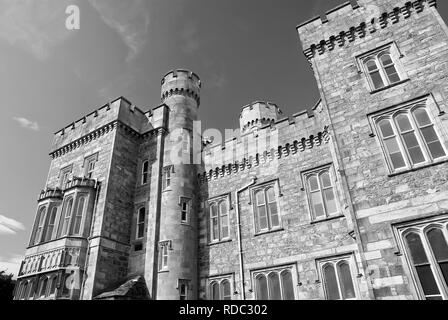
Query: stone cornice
[[268, 156], [182, 92], [360, 31]]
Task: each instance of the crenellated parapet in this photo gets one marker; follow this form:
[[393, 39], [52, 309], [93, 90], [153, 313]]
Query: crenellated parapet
[[351, 22], [181, 82], [258, 114]]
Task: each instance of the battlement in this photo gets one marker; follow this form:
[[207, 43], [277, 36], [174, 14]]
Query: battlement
[[181, 82], [258, 114], [354, 20]]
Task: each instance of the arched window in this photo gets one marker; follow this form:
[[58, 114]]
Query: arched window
[[51, 224], [321, 194], [275, 285], [226, 290], [220, 289], [266, 209], [77, 220], [140, 232], [409, 138], [43, 287], [25, 291], [30, 290], [214, 288], [381, 69], [66, 216], [219, 221], [338, 280], [40, 226], [53, 284]]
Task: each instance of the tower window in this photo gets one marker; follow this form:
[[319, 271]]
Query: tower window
[[89, 165], [321, 194], [219, 220], [409, 138], [164, 246], [266, 209], [51, 224], [77, 220], [184, 209], [426, 246], [40, 224], [166, 178], [141, 223], [145, 170], [183, 287], [64, 176], [338, 279], [66, 216], [382, 67]]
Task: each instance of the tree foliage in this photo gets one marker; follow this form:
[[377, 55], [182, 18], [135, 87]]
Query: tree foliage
[[6, 286]]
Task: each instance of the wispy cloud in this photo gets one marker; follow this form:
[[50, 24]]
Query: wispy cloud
[[190, 39], [10, 226], [35, 26], [130, 19], [11, 264], [27, 124]]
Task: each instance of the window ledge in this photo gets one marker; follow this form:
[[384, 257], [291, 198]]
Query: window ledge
[[390, 86], [426, 165], [339, 216], [166, 190], [219, 242], [262, 233], [164, 271]]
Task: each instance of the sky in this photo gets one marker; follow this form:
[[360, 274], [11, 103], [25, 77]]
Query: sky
[[243, 50]]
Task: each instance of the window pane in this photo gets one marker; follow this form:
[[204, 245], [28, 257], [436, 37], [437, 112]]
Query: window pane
[[438, 244], [262, 288], [223, 208], [215, 291], [318, 206], [427, 280], [433, 142], [403, 123], [394, 153], [444, 268], [215, 229], [371, 65], [224, 226], [325, 180], [274, 215], [415, 152], [270, 195], [377, 80], [274, 287], [392, 74], [330, 201], [78, 216], [386, 128], [386, 59], [331, 284], [348, 291], [415, 245], [262, 218], [53, 285], [260, 198], [227, 294], [313, 183], [288, 287], [422, 117], [214, 211], [141, 215]]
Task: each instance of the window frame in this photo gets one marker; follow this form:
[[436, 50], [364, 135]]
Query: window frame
[[422, 228], [49, 235], [335, 261], [216, 202], [167, 177], [374, 55], [64, 176], [163, 256], [409, 109], [265, 187], [140, 224], [144, 173], [319, 171], [88, 161], [183, 283], [220, 280], [187, 211], [75, 215], [292, 269], [40, 217]]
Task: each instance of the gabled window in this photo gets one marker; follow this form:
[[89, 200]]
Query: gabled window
[[409, 138], [382, 67], [266, 208], [140, 232], [145, 171], [320, 187], [164, 247], [426, 247], [220, 289], [40, 224], [51, 224], [274, 284], [219, 220], [337, 276]]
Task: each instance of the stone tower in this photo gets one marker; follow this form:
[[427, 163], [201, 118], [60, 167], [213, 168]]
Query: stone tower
[[177, 263]]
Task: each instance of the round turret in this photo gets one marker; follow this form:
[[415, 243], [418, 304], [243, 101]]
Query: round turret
[[258, 114], [181, 82]]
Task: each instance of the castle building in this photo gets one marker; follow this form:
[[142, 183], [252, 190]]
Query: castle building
[[349, 201]]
